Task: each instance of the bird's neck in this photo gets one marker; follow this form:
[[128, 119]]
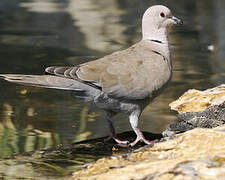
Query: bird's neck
[[157, 35], [151, 30]]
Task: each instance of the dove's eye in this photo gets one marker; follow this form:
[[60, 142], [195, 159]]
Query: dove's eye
[[162, 14]]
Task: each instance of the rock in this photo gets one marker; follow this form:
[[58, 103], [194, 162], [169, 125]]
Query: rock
[[204, 109], [195, 154], [198, 101]]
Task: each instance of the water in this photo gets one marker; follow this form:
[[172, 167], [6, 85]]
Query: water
[[35, 34]]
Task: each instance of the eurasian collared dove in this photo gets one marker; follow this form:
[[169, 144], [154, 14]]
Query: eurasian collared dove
[[125, 81]]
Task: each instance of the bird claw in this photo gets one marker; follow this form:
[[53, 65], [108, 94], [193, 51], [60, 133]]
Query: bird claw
[[120, 142], [142, 139]]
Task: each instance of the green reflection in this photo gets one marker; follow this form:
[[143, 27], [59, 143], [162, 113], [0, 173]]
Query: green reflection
[[33, 139]]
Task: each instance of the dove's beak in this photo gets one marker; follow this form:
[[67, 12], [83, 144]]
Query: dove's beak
[[176, 20]]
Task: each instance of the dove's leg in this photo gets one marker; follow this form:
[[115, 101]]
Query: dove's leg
[[133, 118], [112, 129]]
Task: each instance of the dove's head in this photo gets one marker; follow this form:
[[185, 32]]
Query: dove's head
[[156, 21]]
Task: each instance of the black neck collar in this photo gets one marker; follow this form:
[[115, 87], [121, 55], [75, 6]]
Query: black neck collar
[[157, 41]]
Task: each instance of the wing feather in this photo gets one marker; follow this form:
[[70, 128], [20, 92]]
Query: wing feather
[[124, 74]]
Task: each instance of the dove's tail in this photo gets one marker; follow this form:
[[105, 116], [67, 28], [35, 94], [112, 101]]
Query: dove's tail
[[79, 90], [45, 81]]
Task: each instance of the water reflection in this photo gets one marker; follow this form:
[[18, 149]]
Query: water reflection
[[37, 34], [47, 6]]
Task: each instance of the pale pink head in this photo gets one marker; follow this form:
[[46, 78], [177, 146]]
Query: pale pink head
[[155, 22]]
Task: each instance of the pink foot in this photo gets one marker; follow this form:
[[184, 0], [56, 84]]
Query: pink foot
[[142, 139], [120, 142]]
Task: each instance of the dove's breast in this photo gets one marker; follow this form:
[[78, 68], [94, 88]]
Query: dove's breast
[[158, 74], [156, 69]]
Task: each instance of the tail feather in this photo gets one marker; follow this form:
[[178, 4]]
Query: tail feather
[[45, 81]]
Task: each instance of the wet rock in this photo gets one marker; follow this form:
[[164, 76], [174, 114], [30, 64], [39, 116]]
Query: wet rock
[[198, 101], [195, 154], [204, 109]]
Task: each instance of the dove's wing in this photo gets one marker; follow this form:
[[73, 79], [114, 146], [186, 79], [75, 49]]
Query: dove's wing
[[124, 74]]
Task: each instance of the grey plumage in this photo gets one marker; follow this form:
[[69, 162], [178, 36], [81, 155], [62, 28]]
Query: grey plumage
[[125, 81]]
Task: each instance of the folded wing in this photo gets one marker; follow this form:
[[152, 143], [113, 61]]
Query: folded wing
[[124, 74]]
